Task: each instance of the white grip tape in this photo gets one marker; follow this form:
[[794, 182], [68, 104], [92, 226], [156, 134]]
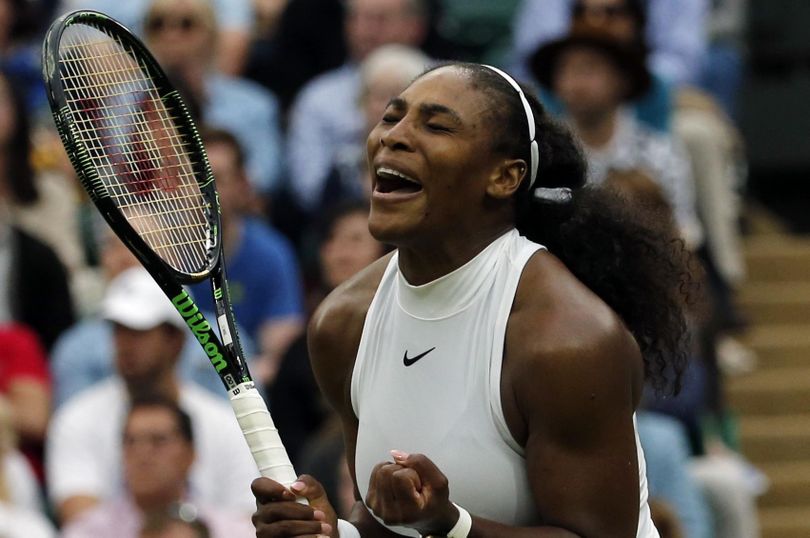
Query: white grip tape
[[261, 434]]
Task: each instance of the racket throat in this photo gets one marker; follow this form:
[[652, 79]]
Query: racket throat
[[201, 329]]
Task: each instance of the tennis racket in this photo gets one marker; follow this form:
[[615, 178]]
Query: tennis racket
[[140, 158]]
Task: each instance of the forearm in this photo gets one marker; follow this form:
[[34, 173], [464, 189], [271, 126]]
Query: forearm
[[368, 527], [484, 528]]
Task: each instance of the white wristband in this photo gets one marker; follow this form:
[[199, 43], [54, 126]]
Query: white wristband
[[462, 527], [347, 530]]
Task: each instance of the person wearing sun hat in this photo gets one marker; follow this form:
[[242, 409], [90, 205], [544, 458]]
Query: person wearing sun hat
[[83, 445], [595, 75], [628, 57]]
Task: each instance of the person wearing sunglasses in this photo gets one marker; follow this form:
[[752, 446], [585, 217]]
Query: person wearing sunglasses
[[184, 36], [234, 16]]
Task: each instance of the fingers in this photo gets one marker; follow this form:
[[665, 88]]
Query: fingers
[[428, 473], [410, 491], [309, 488], [290, 527], [394, 492], [266, 490], [278, 515]]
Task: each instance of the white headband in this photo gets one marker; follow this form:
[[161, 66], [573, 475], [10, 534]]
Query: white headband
[[535, 150]]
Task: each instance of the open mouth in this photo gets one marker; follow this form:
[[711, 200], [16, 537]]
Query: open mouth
[[389, 180]]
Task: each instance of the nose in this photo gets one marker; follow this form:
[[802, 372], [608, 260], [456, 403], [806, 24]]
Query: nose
[[397, 136]]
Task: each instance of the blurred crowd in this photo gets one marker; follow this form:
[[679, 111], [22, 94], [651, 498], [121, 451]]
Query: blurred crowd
[[113, 423]]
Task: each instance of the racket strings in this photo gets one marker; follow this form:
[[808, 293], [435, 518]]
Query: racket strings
[[135, 146], [134, 185]]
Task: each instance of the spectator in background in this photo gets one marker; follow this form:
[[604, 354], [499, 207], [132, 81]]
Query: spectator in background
[[715, 155], [668, 474], [84, 439], [158, 453], [234, 18], [83, 355], [20, 54], [291, 46], [174, 526], [675, 31], [383, 75], [33, 284], [725, 479], [625, 20], [19, 486], [326, 115], [595, 75], [183, 34], [263, 275], [25, 389], [44, 203], [723, 68], [34, 287], [345, 247], [21, 513]]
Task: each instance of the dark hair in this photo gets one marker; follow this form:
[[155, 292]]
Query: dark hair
[[630, 259], [182, 418], [325, 225], [25, 18], [212, 135], [19, 174], [322, 231]]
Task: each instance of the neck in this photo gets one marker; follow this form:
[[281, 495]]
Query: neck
[[423, 264], [165, 386], [596, 130], [159, 502]]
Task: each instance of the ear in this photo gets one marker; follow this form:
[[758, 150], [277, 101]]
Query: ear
[[506, 178]]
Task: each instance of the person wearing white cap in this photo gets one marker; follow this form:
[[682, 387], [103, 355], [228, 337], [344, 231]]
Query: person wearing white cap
[[84, 439], [84, 354]]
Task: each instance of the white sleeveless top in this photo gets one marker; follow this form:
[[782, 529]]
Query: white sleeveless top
[[427, 380]]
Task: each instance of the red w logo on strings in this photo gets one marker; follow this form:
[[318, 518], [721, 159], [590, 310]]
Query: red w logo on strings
[[137, 139]]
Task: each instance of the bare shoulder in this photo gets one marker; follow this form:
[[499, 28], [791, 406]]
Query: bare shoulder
[[336, 326], [561, 312], [566, 349]]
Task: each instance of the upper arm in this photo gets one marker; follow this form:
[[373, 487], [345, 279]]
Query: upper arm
[[332, 356], [577, 402], [333, 338]]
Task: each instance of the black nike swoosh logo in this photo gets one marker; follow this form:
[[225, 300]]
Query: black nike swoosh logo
[[412, 360]]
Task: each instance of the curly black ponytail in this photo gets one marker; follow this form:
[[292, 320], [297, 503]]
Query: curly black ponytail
[[630, 258]]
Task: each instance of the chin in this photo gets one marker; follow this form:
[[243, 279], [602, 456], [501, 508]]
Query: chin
[[390, 229]]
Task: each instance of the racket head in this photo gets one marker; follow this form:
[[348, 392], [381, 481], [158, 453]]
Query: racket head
[[133, 143]]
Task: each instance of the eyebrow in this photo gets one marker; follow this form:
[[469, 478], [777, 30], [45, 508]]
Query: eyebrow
[[427, 109]]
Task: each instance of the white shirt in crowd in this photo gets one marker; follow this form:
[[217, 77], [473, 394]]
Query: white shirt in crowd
[[84, 453]]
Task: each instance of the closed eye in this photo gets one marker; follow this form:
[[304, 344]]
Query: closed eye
[[439, 128]]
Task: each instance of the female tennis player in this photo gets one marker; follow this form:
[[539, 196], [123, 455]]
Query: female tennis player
[[488, 370]]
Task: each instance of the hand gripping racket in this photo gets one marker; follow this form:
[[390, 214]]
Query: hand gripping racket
[[139, 156]]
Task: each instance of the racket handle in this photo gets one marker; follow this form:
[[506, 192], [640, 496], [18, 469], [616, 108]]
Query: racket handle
[[261, 435]]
